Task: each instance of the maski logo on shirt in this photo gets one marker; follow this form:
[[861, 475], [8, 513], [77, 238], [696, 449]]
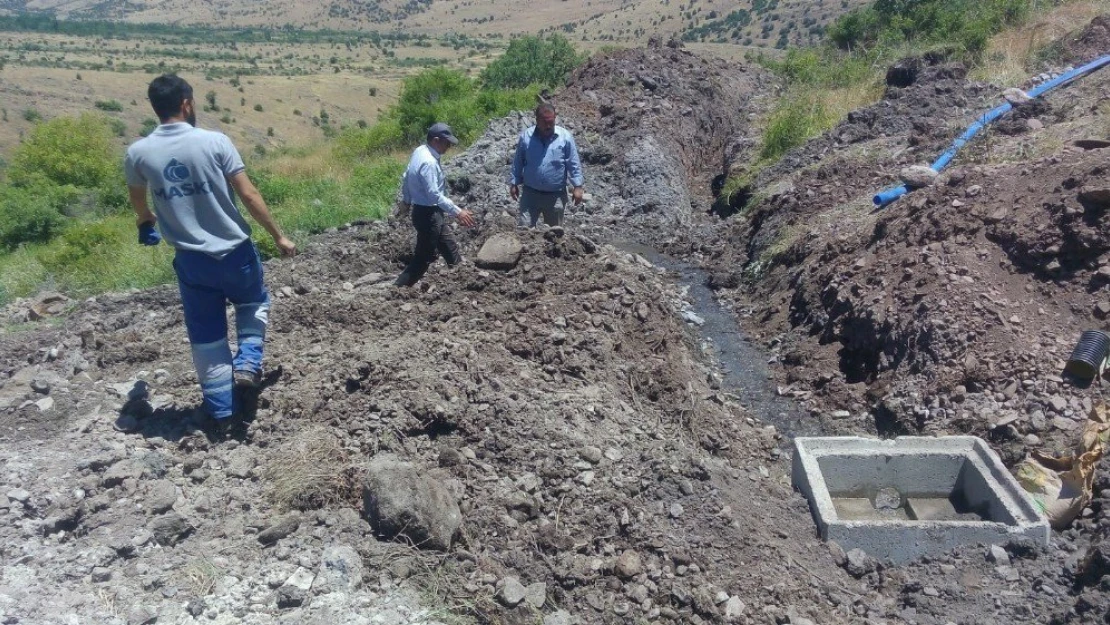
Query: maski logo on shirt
[[175, 172]]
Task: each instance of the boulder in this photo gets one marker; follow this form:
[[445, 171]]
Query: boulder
[[401, 501], [501, 251], [918, 176]]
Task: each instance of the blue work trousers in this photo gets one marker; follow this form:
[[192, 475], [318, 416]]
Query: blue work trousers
[[207, 284]]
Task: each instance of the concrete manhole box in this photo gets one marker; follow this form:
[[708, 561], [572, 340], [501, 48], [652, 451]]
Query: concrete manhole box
[[904, 498]]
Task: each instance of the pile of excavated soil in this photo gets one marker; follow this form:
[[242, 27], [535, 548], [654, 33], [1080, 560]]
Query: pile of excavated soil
[[567, 405]]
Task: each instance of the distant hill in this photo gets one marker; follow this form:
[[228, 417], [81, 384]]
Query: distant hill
[[756, 23]]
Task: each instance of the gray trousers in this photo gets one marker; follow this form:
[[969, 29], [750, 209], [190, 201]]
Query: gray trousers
[[535, 203]]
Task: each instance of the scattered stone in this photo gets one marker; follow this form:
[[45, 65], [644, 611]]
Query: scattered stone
[[290, 597], [1102, 310], [48, 305], [676, 510], [170, 529], [918, 176], [888, 499], [502, 251], [998, 555], [142, 616], [590, 454], [195, 607], [101, 574], [858, 563], [629, 565], [19, 494], [341, 570], [536, 594], [161, 496], [46, 404], [692, 317], [1016, 96], [40, 386], [284, 527], [511, 592], [241, 464], [301, 579], [734, 609], [562, 617], [401, 501]]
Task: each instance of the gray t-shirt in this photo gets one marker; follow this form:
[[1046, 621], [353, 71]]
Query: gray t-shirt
[[186, 170]]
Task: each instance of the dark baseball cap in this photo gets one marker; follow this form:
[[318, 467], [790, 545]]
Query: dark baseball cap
[[440, 130]]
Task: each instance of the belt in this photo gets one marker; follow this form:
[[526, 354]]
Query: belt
[[434, 208], [560, 192]]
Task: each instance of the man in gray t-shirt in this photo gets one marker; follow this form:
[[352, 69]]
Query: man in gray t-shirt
[[193, 176]]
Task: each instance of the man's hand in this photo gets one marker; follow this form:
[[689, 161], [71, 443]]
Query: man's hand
[[287, 248], [577, 195], [514, 192], [465, 218], [148, 235]]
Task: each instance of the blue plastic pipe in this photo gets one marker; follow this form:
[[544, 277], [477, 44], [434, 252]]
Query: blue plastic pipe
[[886, 197]]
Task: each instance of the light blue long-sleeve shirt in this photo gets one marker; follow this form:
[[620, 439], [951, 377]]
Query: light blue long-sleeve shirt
[[424, 182], [546, 165]]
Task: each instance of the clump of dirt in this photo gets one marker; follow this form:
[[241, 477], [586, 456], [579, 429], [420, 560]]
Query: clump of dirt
[[1084, 46]]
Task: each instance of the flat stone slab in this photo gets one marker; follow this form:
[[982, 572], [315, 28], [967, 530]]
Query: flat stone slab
[[501, 251], [953, 491]]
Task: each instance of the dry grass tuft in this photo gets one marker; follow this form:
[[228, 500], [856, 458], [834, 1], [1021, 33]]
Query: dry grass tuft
[[310, 472], [1012, 54]]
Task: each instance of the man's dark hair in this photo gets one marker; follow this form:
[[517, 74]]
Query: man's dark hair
[[166, 93], [545, 107]]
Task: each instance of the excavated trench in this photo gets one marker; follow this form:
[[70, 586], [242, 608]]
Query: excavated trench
[[741, 363]]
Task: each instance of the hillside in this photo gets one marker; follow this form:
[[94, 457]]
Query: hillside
[[598, 430], [762, 23]]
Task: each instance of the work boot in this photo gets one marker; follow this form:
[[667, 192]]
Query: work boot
[[247, 379]]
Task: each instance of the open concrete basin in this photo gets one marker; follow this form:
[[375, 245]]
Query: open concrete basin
[[904, 498]]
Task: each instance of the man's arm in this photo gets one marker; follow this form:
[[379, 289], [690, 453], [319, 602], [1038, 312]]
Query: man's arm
[[516, 175], [256, 206], [574, 170], [138, 202]]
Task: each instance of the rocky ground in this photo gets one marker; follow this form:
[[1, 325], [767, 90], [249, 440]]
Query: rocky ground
[[553, 440]]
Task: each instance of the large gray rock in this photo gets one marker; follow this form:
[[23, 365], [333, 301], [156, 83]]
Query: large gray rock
[[501, 251], [401, 501], [918, 176]]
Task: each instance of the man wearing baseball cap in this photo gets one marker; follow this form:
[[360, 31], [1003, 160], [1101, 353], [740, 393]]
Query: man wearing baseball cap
[[424, 188]]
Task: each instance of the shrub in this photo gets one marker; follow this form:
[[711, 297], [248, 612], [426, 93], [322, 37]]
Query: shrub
[[32, 116], [67, 151], [109, 105], [381, 138], [149, 124], [966, 25], [532, 60], [27, 216], [796, 120]]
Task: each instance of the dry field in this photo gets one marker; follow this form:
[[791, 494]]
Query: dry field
[[291, 88]]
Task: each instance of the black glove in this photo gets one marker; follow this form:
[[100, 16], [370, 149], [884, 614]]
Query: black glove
[[148, 235]]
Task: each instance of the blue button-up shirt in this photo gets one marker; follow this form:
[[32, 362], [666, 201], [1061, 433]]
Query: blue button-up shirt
[[424, 182], [545, 165]]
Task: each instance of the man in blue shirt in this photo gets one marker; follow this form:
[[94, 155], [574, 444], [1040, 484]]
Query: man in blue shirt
[[546, 157], [424, 189], [193, 176]]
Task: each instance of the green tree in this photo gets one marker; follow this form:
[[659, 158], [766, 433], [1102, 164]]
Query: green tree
[[78, 151], [437, 95], [532, 60]]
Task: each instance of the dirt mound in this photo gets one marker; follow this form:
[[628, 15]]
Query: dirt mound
[[1086, 45]]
